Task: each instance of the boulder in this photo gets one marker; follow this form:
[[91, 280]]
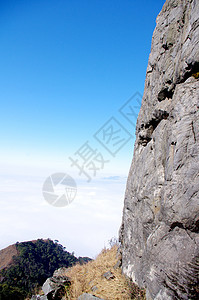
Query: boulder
[[108, 275], [61, 271], [87, 296], [38, 297], [54, 287]]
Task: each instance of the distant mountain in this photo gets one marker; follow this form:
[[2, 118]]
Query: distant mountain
[[25, 266]]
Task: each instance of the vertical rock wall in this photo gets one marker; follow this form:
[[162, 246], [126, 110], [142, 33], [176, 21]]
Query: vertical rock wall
[[160, 228]]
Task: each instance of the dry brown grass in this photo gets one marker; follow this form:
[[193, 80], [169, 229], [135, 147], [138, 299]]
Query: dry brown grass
[[89, 278]]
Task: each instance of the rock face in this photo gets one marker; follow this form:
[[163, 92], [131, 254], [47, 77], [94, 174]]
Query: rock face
[[160, 228]]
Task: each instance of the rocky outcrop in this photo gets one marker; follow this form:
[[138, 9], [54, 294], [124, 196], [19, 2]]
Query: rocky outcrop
[[54, 288], [38, 297], [160, 228], [109, 275]]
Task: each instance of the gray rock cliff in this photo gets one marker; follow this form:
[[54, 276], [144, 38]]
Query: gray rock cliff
[[160, 228]]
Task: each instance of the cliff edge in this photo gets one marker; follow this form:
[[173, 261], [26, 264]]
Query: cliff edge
[[160, 228]]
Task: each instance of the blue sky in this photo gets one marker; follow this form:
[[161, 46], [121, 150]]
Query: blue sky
[[66, 68]]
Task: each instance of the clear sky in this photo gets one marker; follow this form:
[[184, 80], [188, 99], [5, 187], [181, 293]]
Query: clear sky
[[67, 67]]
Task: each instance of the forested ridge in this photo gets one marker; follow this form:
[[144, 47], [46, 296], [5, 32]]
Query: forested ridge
[[36, 261]]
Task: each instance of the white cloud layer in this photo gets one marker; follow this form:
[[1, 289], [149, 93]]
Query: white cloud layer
[[84, 226]]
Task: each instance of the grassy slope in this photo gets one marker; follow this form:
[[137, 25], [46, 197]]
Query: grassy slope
[[86, 278]]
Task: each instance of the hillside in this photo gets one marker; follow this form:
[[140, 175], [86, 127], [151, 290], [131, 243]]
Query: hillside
[[6, 256], [25, 266], [101, 278]]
